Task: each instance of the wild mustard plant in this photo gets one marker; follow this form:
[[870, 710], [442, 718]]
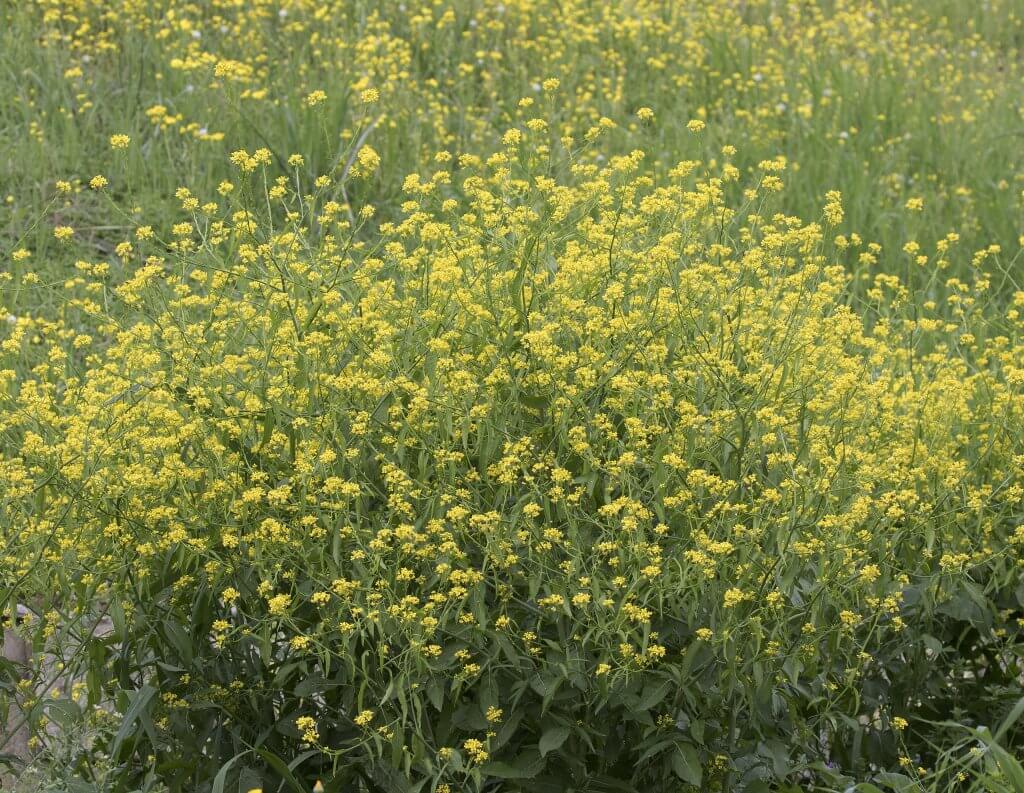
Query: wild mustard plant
[[593, 480], [528, 395]]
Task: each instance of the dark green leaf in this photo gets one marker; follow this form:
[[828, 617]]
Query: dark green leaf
[[552, 738], [140, 700], [686, 764], [222, 775], [653, 694], [281, 768]]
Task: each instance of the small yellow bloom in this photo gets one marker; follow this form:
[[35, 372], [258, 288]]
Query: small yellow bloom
[[314, 98], [307, 726], [279, 604]]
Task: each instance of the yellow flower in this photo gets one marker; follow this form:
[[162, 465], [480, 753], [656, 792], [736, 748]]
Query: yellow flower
[[734, 596], [315, 98], [279, 604], [475, 749], [307, 726]]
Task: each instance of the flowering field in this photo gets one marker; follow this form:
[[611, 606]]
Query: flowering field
[[547, 395]]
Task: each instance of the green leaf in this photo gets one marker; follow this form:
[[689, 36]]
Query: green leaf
[[281, 768], [300, 759], [525, 766], [435, 693], [140, 699], [179, 639], [64, 712], [222, 775], [686, 764], [968, 605], [502, 770], [611, 783], [507, 729], [309, 686], [1011, 718], [653, 694], [895, 781], [656, 748], [1009, 766], [552, 738], [269, 420]]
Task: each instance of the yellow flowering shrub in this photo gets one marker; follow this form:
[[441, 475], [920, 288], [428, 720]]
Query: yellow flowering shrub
[[568, 477]]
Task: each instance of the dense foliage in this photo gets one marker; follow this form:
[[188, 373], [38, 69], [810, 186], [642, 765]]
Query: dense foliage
[[506, 444]]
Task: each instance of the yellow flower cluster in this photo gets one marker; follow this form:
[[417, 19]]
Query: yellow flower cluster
[[529, 400]]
